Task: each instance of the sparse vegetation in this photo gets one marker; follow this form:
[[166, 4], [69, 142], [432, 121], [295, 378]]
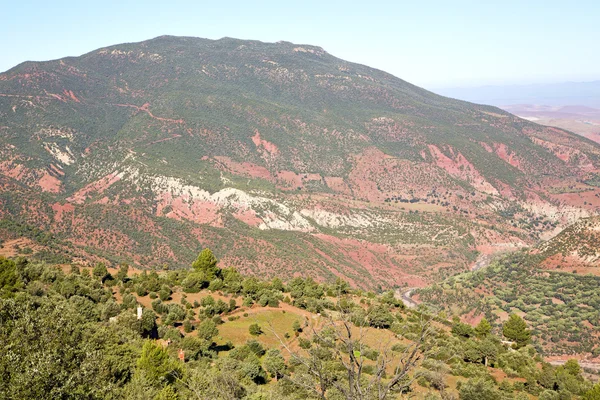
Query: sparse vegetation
[[360, 343], [559, 308]]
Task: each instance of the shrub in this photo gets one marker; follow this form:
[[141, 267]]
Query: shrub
[[255, 330]]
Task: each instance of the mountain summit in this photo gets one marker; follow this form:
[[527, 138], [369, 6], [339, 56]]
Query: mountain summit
[[280, 157]]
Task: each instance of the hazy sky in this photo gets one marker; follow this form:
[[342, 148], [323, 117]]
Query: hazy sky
[[430, 43]]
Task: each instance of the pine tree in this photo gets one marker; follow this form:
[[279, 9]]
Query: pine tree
[[157, 364], [483, 328], [207, 264], [516, 330]]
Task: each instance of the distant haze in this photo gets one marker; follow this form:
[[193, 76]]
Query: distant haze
[[574, 106], [556, 94]]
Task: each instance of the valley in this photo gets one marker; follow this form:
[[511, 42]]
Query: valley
[[355, 220]]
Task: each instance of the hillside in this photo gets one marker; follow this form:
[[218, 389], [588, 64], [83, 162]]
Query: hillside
[[561, 308], [576, 248], [281, 157], [208, 332]]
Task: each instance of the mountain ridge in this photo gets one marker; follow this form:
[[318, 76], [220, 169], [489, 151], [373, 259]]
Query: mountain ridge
[[275, 152]]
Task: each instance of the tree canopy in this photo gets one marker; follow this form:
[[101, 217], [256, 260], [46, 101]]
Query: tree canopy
[[515, 329]]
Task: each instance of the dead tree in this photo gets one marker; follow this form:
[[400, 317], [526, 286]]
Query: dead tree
[[336, 359]]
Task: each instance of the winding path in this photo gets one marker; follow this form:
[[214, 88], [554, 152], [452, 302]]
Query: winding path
[[405, 297]]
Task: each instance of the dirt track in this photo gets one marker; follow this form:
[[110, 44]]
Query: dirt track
[[405, 297]]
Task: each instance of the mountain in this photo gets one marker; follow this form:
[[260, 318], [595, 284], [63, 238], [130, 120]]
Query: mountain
[[282, 158]]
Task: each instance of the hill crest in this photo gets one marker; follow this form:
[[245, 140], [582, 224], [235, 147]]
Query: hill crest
[[280, 157]]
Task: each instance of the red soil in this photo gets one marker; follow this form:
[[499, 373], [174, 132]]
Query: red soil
[[12, 170], [460, 167], [269, 147], [504, 153], [570, 264], [471, 318], [290, 179], [377, 259], [244, 168], [48, 183], [59, 210], [184, 208], [338, 185], [248, 216], [99, 186], [71, 95]]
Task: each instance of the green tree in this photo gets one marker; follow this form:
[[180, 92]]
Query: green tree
[[341, 286], [194, 282], [122, 273], [175, 313], [218, 384], [207, 330], [207, 264], [158, 367], [9, 280], [483, 328], [593, 393], [100, 271], [379, 317], [277, 284], [547, 376], [274, 363], [148, 322], [167, 393], [296, 326], [515, 329], [129, 302], [549, 395], [572, 367], [232, 279], [481, 351], [255, 330], [522, 396], [251, 368], [462, 329], [52, 351], [478, 389], [256, 347], [110, 309]]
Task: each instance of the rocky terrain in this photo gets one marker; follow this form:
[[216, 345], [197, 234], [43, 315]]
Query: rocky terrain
[[282, 158]]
